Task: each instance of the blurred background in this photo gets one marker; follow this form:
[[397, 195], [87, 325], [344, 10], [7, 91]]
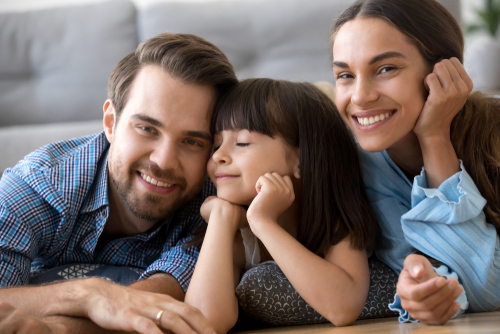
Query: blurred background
[[56, 55]]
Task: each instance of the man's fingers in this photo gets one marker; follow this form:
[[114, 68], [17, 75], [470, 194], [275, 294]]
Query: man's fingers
[[420, 291], [143, 325], [193, 317]]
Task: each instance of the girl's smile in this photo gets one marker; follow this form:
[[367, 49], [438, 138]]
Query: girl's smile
[[241, 157]]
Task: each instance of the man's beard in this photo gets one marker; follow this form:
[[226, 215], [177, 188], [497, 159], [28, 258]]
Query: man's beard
[[149, 206]]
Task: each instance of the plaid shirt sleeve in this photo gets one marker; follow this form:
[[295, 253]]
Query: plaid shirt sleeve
[[17, 240], [178, 261]]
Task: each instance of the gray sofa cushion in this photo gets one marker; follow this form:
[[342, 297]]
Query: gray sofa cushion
[[282, 39], [54, 63]]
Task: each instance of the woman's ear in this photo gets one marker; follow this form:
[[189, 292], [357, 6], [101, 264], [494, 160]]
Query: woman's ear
[[109, 119]]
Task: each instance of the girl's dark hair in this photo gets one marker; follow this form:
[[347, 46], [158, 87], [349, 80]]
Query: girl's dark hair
[[475, 130], [334, 201]]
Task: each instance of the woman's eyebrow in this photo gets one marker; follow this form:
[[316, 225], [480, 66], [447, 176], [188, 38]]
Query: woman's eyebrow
[[385, 55]]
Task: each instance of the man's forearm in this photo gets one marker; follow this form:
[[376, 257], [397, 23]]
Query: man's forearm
[[48, 300]]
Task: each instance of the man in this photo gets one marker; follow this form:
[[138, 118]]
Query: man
[[129, 196]]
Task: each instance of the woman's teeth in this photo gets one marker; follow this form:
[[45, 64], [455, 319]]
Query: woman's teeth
[[155, 182], [372, 120]]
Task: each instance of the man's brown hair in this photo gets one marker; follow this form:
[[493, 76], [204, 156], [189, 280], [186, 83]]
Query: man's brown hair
[[187, 57]]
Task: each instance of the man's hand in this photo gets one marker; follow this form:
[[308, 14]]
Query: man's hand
[[426, 296], [117, 307], [16, 321]]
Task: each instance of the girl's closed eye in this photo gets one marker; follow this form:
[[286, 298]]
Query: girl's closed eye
[[242, 144]]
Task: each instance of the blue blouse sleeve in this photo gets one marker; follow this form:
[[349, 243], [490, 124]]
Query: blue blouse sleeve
[[448, 224]]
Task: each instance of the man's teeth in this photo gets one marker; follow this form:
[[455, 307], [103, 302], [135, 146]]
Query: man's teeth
[[155, 182], [372, 120]]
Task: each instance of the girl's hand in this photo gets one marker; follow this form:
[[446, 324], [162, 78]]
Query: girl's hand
[[225, 211], [274, 195], [449, 87], [426, 296]]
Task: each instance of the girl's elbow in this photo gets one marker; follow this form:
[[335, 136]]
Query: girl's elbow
[[221, 325], [342, 319]]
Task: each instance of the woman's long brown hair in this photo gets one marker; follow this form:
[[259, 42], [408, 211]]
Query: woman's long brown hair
[[334, 203], [475, 130]]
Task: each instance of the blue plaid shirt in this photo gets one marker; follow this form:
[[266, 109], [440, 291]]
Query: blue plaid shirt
[[53, 208]]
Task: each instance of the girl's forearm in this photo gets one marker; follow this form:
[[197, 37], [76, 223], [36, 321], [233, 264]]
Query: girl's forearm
[[211, 289], [326, 287], [440, 159]]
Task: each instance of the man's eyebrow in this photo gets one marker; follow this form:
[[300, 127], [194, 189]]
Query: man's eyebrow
[[198, 134], [340, 64], [385, 55], [148, 119]]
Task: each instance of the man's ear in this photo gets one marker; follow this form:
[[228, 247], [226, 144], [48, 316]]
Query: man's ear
[[295, 160], [109, 119]]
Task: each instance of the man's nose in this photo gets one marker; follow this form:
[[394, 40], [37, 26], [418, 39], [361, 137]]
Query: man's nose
[[364, 92], [166, 155]]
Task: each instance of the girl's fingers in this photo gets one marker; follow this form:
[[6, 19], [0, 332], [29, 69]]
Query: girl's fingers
[[437, 317], [462, 72], [288, 182], [280, 179], [273, 179]]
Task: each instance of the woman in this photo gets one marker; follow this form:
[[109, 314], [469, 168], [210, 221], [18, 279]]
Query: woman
[[402, 90]]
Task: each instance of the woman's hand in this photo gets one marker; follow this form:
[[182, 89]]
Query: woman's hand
[[225, 211], [274, 195], [426, 296], [449, 87]]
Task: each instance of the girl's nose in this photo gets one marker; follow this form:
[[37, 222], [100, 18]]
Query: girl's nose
[[221, 157]]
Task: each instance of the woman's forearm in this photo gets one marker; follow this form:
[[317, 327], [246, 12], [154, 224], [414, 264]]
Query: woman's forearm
[[440, 159], [326, 287], [211, 289]]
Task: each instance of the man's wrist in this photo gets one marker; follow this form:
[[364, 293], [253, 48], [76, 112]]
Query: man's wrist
[[74, 297]]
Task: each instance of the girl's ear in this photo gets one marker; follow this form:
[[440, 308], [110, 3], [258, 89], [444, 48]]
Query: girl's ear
[[296, 163]]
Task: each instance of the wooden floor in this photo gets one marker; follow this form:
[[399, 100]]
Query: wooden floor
[[465, 324]]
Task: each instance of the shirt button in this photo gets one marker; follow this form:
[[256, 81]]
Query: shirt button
[[103, 213]]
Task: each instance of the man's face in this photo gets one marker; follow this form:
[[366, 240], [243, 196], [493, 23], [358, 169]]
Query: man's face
[[161, 144]]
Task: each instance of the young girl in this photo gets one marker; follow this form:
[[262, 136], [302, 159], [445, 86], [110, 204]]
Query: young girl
[[404, 93], [283, 151]]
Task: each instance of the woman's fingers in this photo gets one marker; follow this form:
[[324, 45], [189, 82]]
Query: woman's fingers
[[462, 72], [443, 74]]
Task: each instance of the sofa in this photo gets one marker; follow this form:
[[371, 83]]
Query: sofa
[[54, 63]]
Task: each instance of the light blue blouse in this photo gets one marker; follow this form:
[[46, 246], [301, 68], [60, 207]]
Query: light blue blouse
[[446, 223]]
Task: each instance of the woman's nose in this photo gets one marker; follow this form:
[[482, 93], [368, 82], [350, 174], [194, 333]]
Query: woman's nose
[[364, 92]]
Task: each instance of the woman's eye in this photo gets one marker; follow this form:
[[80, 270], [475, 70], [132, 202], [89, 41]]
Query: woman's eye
[[147, 129], [242, 144], [344, 76], [387, 69]]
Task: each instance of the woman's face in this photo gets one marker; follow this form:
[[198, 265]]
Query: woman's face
[[380, 82], [241, 157]]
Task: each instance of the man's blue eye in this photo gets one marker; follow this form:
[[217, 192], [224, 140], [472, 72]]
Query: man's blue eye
[[192, 142]]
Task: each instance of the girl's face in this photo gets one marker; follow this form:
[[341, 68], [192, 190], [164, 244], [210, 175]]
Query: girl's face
[[241, 157], [380, 82]]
